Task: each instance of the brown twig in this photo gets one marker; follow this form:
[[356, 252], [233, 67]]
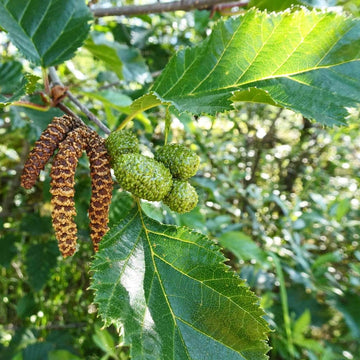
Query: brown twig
[[68, 111], [185, 5], [56, 81], [221, 7]]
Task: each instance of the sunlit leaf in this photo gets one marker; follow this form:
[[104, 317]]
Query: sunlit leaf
[[278, 5], [305, 61], [168, 288]]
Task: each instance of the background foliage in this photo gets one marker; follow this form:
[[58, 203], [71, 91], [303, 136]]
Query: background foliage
[[278, 192]]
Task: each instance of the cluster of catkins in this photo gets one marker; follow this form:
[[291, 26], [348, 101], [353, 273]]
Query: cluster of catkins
[[71, 138], [163, 177]]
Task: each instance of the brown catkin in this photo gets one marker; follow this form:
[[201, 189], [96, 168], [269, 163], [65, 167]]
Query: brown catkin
[[101, 187], [62, 189], [44, 148]]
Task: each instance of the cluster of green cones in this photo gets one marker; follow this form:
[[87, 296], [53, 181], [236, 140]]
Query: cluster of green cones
[[162, 178]]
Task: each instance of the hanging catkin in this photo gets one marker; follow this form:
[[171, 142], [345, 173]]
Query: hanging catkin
[[101, 187], [62, 189], [45, 147]]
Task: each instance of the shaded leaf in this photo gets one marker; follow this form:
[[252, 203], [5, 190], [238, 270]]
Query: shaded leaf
[[26, 306], [314, 69], [25, 86], [62, 355], [107, 54], [135, 68], [8, 249], [169, 289], [126, 62], [46, 32], [36, 225], [37, 351], [104, 341], [40, 260], [242, 246], [325, 259], [113, 99], [349, 305], [10, 75]]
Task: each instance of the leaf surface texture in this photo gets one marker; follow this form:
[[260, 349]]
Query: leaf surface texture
[[170, 290], [46, 32], [307, 61]]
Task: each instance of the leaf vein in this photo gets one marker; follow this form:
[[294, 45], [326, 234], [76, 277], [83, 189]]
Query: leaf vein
[[160, 282], [298, 45], [202, 282], [218, 61]]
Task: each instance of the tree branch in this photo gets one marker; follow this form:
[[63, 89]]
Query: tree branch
[[56, 81], [186, 5]]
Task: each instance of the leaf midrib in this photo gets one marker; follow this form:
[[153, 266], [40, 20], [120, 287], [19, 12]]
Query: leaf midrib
[[153, 255], [160, 282], [207, 286], [240, 85]]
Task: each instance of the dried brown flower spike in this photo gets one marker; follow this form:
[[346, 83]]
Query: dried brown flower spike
[[45, 147], [71, 137], [62, 188], [101, 186]]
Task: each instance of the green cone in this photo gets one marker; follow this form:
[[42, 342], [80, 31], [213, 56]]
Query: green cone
[[144, 177], [182, 162]]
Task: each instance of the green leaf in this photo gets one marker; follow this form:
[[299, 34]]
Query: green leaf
[[301, 325], [324, 259], [349, 305], [126, 62], [278, 5], [135, 68], [314, 70], [145, 102], [35, 225], [170, 290], [140, 105], [46, 32], [242, 246], [107, 54], [10, 75], [37, 351], [343, 207], [114, 99], [8, 249], [104, 341], [40, 260], [25, 86], [26, 306], [62, 355]]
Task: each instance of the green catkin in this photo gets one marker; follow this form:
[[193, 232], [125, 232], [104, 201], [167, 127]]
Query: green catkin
[[182, 162], [182, 197], [144, 177], [121, 142]]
